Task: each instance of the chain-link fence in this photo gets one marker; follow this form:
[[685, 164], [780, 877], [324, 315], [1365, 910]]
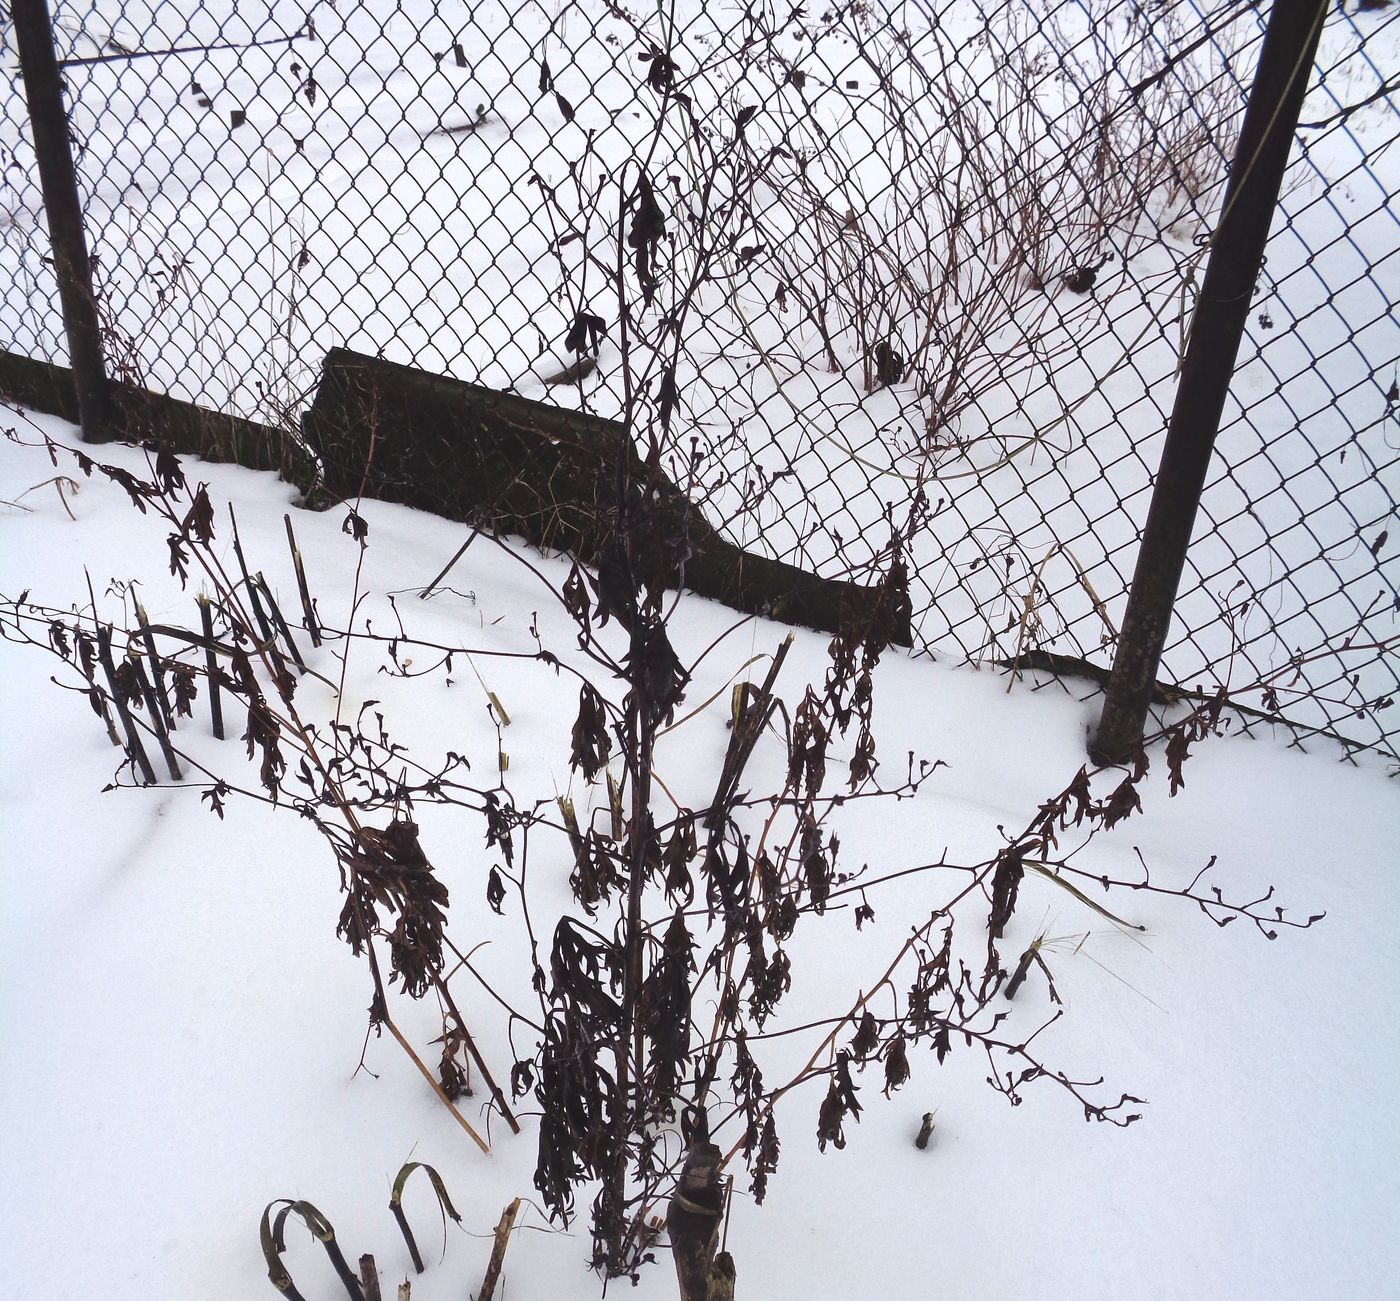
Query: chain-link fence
[[939, 256]]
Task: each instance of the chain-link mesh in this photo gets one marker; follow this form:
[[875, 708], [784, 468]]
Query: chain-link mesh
[[941, 253]]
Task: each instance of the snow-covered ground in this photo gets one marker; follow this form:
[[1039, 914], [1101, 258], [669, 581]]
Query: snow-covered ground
[[182, 1027]]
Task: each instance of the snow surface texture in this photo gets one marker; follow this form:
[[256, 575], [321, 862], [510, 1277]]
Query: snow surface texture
[[182, 1027], [370, 181]]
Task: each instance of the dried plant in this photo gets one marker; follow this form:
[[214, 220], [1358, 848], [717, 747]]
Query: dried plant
[[649, 1001], [682, 907]]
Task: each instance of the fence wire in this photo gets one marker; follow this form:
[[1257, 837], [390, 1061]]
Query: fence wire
[[941, 253]]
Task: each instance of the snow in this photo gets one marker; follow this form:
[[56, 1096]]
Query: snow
[[183, 1027]]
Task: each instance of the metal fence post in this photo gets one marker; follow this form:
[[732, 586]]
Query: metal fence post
[[1236, 254], [48, 120]]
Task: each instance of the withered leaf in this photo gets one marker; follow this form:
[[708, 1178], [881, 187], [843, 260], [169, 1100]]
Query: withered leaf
[[499, 821], [591, 745], [1178, 751], [184, 688], [1078, 791], [768, 1153], [179, 558], [896, 1064], [1121, 803], [169, 474], [657, 675], [666, 999], [595, 873], [810, 737], [134, 488], [668, 396], [216, 795], [389, 867], [770, 981], [1080, 279], [128, 685], [647, 230], [889, 364], [648, 221], [1006, 881], [747, 1078], [676, 860], [199, 519], [867, 1036], [586, 333], [355, 526], [576, 597], [450, 1073], [263, 732], [87, 654], [840, 1101], [661, 71], [616, 594]]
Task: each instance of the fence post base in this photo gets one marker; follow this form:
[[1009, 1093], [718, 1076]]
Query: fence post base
[[1236, 253]]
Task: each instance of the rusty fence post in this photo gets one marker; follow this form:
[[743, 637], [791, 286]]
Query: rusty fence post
[[48, 120], [1236, 254]]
